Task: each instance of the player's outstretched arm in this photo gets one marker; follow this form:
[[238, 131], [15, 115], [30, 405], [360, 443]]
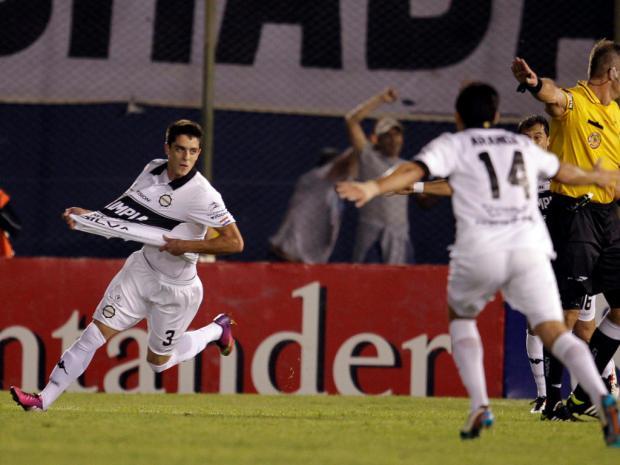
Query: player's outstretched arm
[[438, 188], [74, 211], [227, 241], [362, 192], [542, 89], [575, 176]]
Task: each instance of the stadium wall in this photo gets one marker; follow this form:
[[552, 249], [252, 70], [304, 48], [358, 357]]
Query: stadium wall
[[335, 329]]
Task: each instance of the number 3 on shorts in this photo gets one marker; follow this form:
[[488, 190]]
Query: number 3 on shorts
[[170, 335]]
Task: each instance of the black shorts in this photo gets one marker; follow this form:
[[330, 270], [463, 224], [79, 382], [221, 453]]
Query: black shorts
[[587, 243]]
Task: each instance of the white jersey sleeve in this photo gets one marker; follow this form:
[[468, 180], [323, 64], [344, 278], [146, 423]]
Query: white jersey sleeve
[[209, 209], [548, 164], [439, 156]]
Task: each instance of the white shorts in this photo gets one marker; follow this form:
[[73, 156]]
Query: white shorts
[[587, 312], [524, 276], [138, 292]]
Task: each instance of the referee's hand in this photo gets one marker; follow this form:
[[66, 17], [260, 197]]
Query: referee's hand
[[523, 73]]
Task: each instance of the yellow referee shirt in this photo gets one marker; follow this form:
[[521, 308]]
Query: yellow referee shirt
[[586, 132]]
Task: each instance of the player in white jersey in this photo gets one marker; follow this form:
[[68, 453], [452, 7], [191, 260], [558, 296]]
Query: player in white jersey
[[501, 243], [159, 284], [536, 127]]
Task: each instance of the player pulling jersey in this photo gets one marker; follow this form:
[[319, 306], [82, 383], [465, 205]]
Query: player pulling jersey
[[182, 209]]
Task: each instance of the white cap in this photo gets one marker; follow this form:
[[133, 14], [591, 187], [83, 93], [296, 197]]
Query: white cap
[[384, 125]]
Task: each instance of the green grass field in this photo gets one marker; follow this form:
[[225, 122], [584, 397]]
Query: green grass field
[[203, 429]]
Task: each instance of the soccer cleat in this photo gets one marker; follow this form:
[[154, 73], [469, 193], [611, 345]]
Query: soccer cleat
[[538, 404], [580, 407], [226, 341], [611, 419], [480, 418], [29, 402], [558, 413]]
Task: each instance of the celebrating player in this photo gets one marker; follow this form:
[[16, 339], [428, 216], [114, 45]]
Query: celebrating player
[[159, 284], [501, 243]]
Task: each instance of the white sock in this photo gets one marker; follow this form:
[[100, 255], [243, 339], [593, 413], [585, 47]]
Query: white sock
[[72, 364], [609, 369], [609, 329], [574, 354], [534, 348], [190, 344], [468, 354]]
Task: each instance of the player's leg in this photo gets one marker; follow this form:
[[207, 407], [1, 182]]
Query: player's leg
[[603, 345], [586, 324], [584, 330], [119, 309], [609, 373], [472, 282], [69, 368], [575, 299], [534, 348], [606, 338], [574, 239], [169, 341], [610, 376], [533, 289], [75, 360], [531, 280], [554, 371], [575, 355]]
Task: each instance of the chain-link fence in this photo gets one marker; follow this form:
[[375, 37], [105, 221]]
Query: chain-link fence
[[88, 88]]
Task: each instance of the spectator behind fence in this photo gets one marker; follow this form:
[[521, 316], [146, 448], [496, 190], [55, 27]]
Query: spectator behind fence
[[311, 224], [382, 233], [9, 225]]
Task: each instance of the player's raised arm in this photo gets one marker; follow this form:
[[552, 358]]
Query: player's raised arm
[[542, 89], [362, 192]]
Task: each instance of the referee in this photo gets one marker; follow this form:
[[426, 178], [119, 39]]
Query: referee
[[583, 222]]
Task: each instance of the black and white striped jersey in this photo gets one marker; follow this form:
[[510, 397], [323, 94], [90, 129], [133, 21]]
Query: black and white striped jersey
[[182, 209], [544, 196]]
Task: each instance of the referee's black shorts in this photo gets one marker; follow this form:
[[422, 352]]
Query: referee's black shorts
[[587, 243]]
